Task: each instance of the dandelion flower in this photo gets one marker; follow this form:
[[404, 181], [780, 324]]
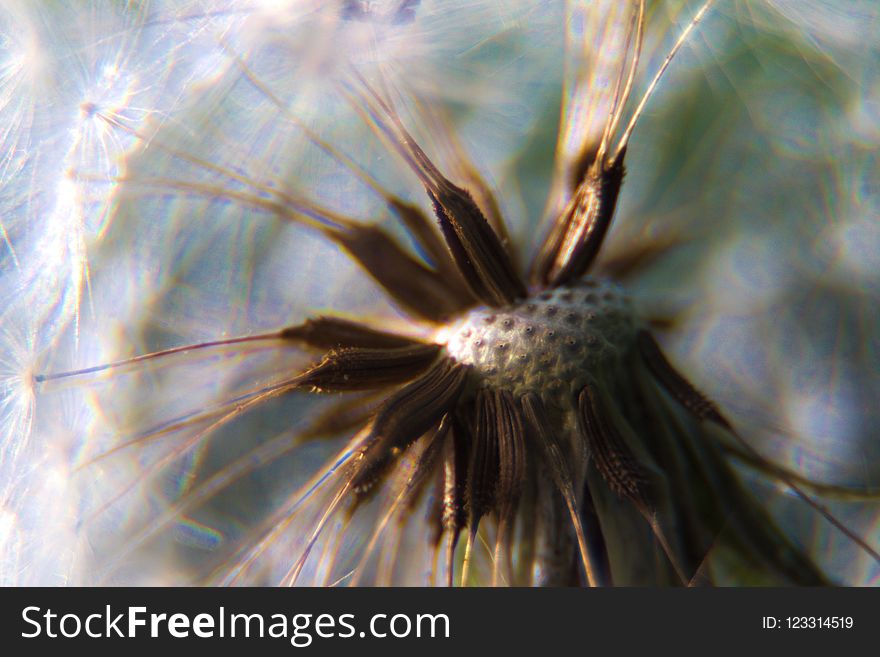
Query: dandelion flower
[[480, 395]]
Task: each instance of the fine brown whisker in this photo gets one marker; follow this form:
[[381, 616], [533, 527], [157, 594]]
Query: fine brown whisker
[[335, 153], [344, 231], [637, 112], [625, 79], [260, 456], [280, 519], [409, 282], [201, 163], [381, 367], [186, 421], [768, 467], [292, 575], [192, 442], [409, 214], [164, 353]]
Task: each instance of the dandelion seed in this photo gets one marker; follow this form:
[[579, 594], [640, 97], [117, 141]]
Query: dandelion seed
[[475, 426]]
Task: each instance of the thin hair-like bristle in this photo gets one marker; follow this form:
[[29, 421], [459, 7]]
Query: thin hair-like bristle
[[275, 523], [411, 216], [270, 340], [417, 287], [240, 407], [478, 252], [624, 139], [579, 230]]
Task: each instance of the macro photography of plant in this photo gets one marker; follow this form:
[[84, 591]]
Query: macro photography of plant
[[439, 293]]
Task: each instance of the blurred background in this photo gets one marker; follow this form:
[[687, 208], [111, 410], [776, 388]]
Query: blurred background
[[133, 131]]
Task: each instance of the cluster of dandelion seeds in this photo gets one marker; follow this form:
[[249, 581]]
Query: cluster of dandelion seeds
[[220, 174]]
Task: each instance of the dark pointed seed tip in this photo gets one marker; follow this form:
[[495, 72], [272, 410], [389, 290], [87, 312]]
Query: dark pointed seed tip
[[616, 463], [680, 388], [476, 249], [405, 417], [335, 332]]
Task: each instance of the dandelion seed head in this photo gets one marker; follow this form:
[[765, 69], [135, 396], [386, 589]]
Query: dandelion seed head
[[164, 253]]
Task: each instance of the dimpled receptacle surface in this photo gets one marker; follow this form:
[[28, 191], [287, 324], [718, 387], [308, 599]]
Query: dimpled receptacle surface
[[551, 343]]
